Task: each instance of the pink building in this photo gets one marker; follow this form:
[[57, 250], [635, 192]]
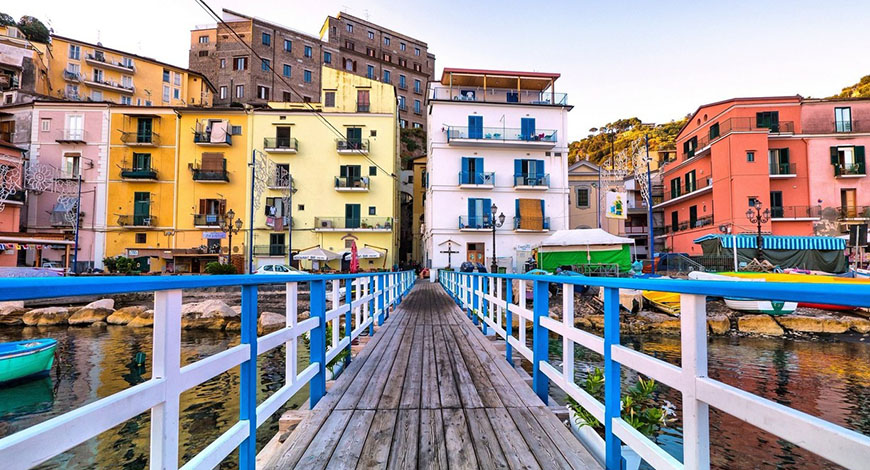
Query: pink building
[[11, 199]]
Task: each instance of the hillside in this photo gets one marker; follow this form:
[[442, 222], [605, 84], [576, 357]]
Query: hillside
[[858, 90], [596, 146]]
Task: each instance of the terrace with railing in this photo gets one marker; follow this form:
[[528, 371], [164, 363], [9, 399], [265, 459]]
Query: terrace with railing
[[137, 220], [280, 144], [849, 170], [498, 95], [140, 139], [782, 169], [854, 212], [351, 183], [479, 179], [352, 147], [736, 124], [795, 212], [835, 127], [501, 135], [531, 224], [270, 250], [138, 173], [373, 224]]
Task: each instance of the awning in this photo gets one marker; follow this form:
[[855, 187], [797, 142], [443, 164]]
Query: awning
[[778, 242], [589, 236], [365, 253], [316, 254]]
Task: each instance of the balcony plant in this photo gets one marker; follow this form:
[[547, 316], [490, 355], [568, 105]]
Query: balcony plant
[[638, 407]]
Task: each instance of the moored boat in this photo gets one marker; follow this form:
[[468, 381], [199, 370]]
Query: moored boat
[[20, 359], [770, 307], [808, 278], [668, 302]]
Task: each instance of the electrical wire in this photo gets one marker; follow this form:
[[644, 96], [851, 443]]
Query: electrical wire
[[323, 119]]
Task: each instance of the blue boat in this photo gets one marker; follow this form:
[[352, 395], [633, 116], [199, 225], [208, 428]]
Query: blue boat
[[20, 359]]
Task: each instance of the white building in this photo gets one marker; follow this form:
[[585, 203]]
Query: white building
[[494, 138]]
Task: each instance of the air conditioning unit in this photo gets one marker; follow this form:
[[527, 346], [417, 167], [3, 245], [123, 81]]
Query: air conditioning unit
[[325, 224]]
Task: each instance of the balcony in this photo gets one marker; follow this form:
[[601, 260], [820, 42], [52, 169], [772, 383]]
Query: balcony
[[137, 220], [110, 85], [849, 170], [280, 144], [140, 139], [498, 95], [691, 190], [854, 212], [139, 174], [501, 136], [205, 138], [737, 124], [475, 223], [101, 62], [207, 220], [70, 136], [15, 197], [795, 213], [74, 77], [361, 224], [351, 184], [782, 170], [531, 224], [352, 147], [403, 107], [476, 180], [635, 230], [539, 181], [270, 250], [402, 86], [280, 181], [835, 127], [211, 175], [59, 218]]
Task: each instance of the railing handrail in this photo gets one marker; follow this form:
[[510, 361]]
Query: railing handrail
[[367, 300], [487, 303]]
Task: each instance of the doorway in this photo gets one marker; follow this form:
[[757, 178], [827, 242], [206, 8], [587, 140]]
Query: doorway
[[848, 200], [475, 252]]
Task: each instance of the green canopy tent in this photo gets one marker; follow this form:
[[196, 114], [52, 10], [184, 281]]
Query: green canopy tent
[[815, 253], [582, 247]]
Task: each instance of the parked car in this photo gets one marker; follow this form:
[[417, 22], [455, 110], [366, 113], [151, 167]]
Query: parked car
[[278, 269]]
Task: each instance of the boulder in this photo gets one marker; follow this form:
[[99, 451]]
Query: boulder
[[719, 324], [817, 324], [144, 319], [46, 316], [88, 315], [269, 322], [125, 315], [859, 325], [596, 321], [204, 323], [208, 309], [99, 324], [12, 304], [233, 325], [760, 325], [655, 322], [102, 303], [11, 314]]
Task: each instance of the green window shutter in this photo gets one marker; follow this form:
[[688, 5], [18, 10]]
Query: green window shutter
[[859, 158], [343, 171], [835, 156]]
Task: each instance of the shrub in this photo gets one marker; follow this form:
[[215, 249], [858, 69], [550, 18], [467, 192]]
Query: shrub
[[219, 268]]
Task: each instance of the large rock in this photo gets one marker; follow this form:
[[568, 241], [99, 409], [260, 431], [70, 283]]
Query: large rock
[[655, 322], [269, 322], [46, 316], [102, 303], [125, 315], [11, 313], [759, 325], [12, 303], [813, 324], [719, 324], [144, 319], [207, 309], [89, 315], [859, 325]]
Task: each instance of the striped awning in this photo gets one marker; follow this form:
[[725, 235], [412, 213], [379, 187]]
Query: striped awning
[[778, 242]]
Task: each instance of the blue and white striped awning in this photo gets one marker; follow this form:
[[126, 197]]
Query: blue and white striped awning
[[778, 242]]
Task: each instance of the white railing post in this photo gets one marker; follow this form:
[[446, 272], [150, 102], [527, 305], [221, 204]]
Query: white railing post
[[568, 321], [166, 365], [521, 320], [696, 414], [290, 365], [336, 302]]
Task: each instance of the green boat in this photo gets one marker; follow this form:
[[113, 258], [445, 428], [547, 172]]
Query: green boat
[[20, 359]]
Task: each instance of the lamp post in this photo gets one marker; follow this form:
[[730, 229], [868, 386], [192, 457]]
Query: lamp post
[[758, 217], [495, 225], [230, 227]]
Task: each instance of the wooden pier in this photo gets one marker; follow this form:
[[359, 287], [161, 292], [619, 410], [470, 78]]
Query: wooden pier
[[429, 391]]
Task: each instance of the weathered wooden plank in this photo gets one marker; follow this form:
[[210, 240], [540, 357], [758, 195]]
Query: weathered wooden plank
[[429, 394], [467, 391], [403, 453], [376, 450], [479, 377], [546, 453], [489, 358], [460, 451], [433, 450], [574, 452], [347, 452], [320, 449], [486, 447], [515, 448], [412, 387], [291, 450], [447, 389], [392, 390]]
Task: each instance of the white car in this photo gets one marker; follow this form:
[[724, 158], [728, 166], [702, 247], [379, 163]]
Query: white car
[[278, 269]]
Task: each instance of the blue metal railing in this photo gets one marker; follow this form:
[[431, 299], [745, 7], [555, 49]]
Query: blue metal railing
[[488, 299], [368, 298], [539, 179], [471, 177]]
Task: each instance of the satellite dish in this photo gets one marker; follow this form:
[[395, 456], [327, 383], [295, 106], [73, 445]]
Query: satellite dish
[[723, 228]]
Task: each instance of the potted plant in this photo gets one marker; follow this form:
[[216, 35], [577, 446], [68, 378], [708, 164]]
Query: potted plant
[[638, 408]]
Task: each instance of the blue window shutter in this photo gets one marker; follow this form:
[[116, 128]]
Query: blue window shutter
[[475, 127], [527, 126], [487, 214], [539, 168], [464, 176], [518, 167], [542, 208], [517, 207], [471, 212], [478, 170]]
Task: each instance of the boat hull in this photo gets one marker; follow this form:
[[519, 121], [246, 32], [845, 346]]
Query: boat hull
[[761, 306], [808, 278], [26, 358]]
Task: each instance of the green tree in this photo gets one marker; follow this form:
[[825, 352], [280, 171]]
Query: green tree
[[34, 29], [596, 147], [858, 90], [6, 20]]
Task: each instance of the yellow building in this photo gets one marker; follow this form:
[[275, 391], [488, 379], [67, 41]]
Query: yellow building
[[23, 65], [82, 71], [418, 165], [337, 185]]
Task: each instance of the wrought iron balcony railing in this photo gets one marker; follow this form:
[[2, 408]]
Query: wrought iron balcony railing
[[137, 220]]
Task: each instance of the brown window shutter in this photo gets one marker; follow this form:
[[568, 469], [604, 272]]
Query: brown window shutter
[[202, 206], [223, 206]]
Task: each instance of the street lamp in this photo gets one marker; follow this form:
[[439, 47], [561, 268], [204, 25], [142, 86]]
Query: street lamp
[[495, 225], [758, 218], [230, 227]]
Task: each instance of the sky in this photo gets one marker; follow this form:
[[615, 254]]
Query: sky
[[655, 60]]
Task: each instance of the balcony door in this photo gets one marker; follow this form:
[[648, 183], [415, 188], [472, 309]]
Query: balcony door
[[282, 137], [276, 244], [479, 212], [75, 127], [843, 119], [776, 208], [848, 202], [351, 215], [475, 127], [141, 162], [527, 128], [141, 208], [143, 130], [354, 138]]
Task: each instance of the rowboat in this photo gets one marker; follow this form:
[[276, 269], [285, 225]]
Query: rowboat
[[20, 359], [668, 302], [770, 307], [808, 278]]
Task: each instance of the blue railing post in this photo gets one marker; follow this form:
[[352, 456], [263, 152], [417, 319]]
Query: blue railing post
[[348, 316], [540, 339], [372, 310], [612, 375], [248, 392], [508, 321], [475, 299], [317, 310], [381, 293], [484, 306]]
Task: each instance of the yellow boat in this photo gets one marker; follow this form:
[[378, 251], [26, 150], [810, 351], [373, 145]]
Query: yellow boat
[[807, 278], [668, 302]]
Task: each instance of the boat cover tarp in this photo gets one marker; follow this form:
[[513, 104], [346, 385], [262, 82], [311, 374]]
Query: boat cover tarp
[[814, 253], [580, 236], [550, 260]]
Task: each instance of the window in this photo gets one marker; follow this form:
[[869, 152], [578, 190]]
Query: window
[[402, 103], [203, 39], [235, 130], [300, 207], [582, 198], [843, 119], [403, 124], [848, 160], [776, 208], [262, 92], [307, 76], [75, 52], [165, 76], [240, 63], [691, 183], [166, 92], [387, 57], [527, 128], [370, 72], [288, 70], [386, 40], [223, 63], [779, 162], [417, 125], [223, 92], [72, 91], [351, 216], [287, 96], [267, 39], [752, 200], [417, 105], [371, 34], [370, 52], [142, 237], [127, 62], [403, 82], [176, 78], [327, 57], [329, 99], [387, 77], [288, 45], [417, 86], [308, 51], [349, 28], [750, 156], [418, 67], [98, 75], [265, 65], [176, 93], [402, 46], [349, 65], [403, 62], [675, 187], [362, 101], [349, 45], [141, 161], [768, 119], [71, 166], [693, 216], [96, 95], [417, 51], [373, 171], [675, 221], [240, 91], [690, 146], [45, 125], [714, 131], [373, 210], [203, 53]]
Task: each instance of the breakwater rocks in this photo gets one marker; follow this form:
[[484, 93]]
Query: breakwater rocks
[[211, 314]]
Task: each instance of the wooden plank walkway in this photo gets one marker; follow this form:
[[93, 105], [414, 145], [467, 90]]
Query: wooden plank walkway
[[430, 392]]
